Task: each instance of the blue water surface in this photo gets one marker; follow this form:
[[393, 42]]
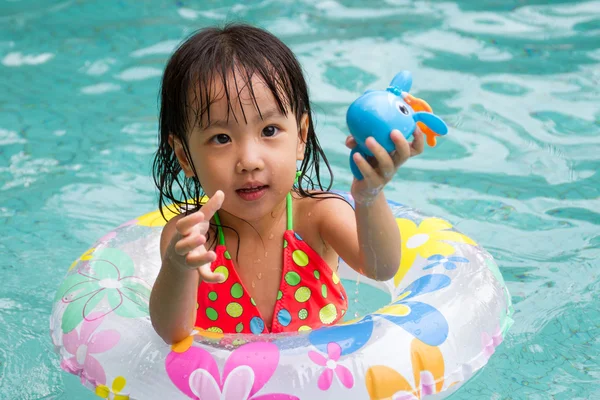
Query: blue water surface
[[517, 81]]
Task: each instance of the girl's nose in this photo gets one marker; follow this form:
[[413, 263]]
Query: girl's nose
[[250, 159]]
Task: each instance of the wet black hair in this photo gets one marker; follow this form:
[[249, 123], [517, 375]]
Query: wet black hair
[[186, 95]]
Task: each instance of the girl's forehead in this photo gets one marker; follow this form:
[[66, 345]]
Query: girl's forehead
[[237, 98], [241, 92]]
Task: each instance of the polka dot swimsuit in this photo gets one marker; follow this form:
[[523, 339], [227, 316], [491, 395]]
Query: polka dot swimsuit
[[310, 294]]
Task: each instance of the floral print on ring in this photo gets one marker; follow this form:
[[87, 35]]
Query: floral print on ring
[[449, 263], [384, 382], [107, 274], [83, 345], [247, 370], [334, 351], [428, 238], [115, 392], [420, 319]]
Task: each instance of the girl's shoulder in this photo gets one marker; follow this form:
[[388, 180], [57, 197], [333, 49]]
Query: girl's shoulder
[[319, 199], [324, 219], [319, 207]]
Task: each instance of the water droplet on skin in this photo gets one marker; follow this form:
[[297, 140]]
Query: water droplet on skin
[[271, 236], [266, 253], [259, 275], [309, 214], [253, 284]]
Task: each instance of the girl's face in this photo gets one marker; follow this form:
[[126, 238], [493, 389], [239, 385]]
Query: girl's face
[[251, 159]]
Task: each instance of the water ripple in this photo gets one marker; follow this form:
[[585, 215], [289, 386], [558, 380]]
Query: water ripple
[[516, 81]]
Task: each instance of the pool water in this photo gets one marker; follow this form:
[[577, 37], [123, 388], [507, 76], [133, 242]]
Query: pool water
[[517, 81]]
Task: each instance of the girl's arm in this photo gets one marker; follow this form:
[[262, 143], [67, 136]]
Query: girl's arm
[[369, 240], [378, 238], [173, 297], [185, 261]]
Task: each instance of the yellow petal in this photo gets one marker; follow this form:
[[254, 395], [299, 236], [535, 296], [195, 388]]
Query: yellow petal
[[452, 236], [73, 265], [435, 247], [429, 225], [350, 322], [121, 397], [427, 358], [407, 258], [400, 310], [402, 296], [383, 382], [88, 254], [154, 218], [407, 227], [85, 256], [118, 384], [102, 391]]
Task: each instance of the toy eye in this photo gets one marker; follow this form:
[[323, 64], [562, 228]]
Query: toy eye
[[402, 108]]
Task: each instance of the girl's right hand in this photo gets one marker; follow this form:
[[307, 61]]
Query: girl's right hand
[[187, 248]]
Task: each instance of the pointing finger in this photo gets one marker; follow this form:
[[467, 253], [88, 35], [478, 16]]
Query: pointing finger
[[213, 204]]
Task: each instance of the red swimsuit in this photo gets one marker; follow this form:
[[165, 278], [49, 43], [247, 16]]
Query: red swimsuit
[[310, 293]]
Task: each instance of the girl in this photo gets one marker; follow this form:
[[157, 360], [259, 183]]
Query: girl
[[262, 254]]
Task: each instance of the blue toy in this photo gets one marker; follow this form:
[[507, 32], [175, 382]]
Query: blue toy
[[377, 112]]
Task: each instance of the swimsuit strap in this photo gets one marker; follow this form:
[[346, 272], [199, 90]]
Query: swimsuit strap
[[288, 207], [220, 229]]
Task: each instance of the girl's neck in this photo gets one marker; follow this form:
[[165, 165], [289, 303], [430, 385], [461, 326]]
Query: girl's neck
[[260, 228]]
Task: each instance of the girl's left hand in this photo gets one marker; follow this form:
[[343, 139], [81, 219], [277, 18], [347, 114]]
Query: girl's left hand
[[380, 169]]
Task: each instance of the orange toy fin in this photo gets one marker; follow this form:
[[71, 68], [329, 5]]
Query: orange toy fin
[[418, 104]]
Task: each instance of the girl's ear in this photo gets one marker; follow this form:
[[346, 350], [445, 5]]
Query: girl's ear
[[177, 147], [302, 135]]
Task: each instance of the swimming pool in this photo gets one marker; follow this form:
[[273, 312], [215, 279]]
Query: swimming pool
[[519, 171]]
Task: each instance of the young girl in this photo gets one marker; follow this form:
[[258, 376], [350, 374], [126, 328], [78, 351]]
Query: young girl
[[262, 254]]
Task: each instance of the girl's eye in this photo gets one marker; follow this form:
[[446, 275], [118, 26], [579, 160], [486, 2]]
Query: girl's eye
[[221, 138], [270, 131]]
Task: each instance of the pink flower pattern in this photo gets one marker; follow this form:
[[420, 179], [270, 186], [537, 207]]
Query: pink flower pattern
[[246, 371], [83, 345], [334, 352]]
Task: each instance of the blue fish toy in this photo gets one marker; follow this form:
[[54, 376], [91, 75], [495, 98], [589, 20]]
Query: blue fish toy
[[377, 112]]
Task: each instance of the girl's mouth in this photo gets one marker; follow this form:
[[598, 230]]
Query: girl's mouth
[[252, 193]]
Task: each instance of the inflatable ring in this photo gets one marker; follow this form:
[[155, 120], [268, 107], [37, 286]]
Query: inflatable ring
[[439, 321]]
